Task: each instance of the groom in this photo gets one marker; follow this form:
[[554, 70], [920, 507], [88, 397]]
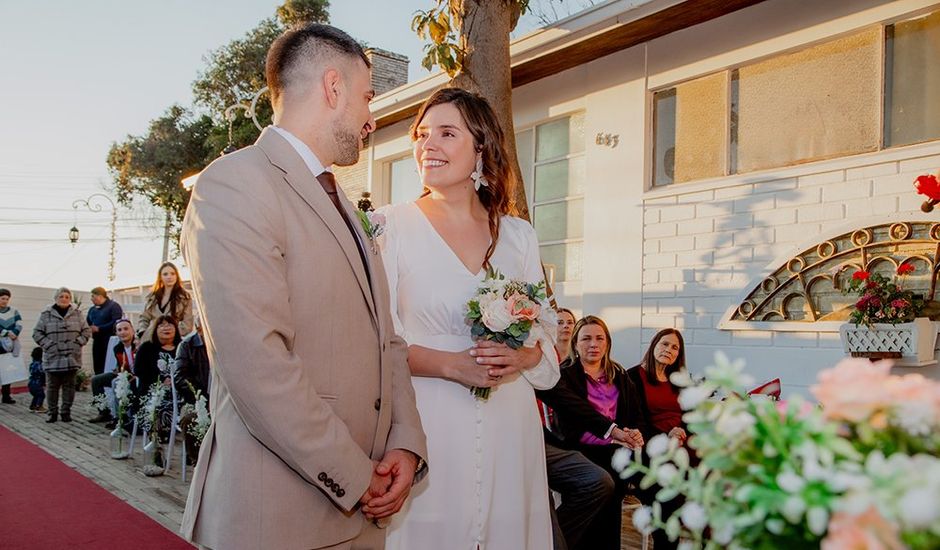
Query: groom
[[315, 437]]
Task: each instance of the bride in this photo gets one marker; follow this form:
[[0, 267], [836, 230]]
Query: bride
[[486, 487]]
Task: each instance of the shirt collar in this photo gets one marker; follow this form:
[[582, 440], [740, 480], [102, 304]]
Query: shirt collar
[[310, 159]]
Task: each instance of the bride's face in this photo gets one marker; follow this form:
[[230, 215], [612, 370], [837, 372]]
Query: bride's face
[[444, 148]]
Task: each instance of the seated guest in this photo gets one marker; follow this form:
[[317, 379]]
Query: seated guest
[[122, 358], [585, 487], [659, 397], [597, 410], [155, 363], [192, 366]]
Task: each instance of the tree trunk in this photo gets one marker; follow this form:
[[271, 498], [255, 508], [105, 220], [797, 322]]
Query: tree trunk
[[484, 35]]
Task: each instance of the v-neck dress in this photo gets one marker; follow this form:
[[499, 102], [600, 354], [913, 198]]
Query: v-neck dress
[[486, 486]]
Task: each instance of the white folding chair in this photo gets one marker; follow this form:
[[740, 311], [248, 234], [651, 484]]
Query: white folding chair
[[174, 427]]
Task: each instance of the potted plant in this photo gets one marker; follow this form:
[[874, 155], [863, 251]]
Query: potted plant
[[885, 322]]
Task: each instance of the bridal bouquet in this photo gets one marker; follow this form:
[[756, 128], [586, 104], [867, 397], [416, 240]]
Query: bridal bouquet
[[861, 471], [511, 312]]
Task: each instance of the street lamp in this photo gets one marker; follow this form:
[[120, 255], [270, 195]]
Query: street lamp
[[250, 112], [97, 207]]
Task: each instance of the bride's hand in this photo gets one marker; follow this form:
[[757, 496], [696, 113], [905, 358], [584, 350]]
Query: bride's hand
[[502, 360], [465, 370]]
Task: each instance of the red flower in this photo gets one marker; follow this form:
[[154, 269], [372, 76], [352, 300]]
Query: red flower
[[900, 303], [928, 186], [904, 269], [860, 275]]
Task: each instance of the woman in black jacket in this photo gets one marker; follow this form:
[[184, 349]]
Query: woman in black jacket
[[598, 412]]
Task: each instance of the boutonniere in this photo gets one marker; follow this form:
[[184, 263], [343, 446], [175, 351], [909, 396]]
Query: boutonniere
[[373, 224]]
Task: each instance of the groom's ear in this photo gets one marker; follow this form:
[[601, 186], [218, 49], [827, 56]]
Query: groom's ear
[[332, 82]]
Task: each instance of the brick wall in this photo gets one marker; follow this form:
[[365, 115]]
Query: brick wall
[[703, 248]]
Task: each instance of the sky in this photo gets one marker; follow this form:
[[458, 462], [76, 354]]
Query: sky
[[76, 77]]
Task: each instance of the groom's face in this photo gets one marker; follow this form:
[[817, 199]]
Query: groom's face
[[355, 122]]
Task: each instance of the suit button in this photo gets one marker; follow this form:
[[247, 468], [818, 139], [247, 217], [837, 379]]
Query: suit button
[[378, 404], [322, 476], [329, 482], [341, 493]]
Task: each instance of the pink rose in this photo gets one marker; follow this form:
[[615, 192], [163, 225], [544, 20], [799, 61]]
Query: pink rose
[[524, 308], [866, 531], [853, 390]]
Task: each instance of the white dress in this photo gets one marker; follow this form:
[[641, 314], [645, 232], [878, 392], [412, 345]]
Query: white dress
[[486, 486]]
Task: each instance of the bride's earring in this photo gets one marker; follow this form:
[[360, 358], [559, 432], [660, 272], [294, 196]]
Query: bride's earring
[[477, 175]]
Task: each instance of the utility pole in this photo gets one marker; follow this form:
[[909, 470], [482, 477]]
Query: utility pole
[[166, 238]]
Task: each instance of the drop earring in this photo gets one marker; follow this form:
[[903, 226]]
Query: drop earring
[[477, 175]]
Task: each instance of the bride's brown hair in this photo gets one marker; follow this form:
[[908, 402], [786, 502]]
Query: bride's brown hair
[[489, 140]]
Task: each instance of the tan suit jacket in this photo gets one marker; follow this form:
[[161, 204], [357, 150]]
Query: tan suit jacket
[[310, 383]]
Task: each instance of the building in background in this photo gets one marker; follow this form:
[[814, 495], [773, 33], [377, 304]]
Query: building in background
[[718, 167]]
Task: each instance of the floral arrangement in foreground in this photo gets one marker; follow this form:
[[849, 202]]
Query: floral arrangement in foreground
[[511, 312], [884, 300], [122, 398], [861, 471], [200, 426]]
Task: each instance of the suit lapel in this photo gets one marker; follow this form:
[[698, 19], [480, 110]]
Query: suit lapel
[[305, 184]]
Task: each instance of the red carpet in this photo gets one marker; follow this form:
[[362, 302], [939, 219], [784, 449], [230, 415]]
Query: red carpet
[[45, 505]]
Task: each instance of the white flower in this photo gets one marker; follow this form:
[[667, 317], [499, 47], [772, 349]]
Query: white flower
[[657, 445], [642, 517], [731, 424], [723, 534], [817, 518], [914, 417], [693, 516], [621, 459], [693, 396], [667, 472], [790, 482], [496, 315], [920, 508], [685, 545], [793, 508]]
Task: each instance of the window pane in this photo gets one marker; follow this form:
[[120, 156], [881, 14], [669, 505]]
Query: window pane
[[552, 139], [560, 220], [557, 180], [912, 81], [817, 103], [562, 259], [406, 184], [701, 128], [526, 155], [664, 132]]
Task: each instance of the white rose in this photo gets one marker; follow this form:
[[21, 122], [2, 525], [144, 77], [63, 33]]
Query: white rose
[[693, 396], [693, 516], [642, 517], [658, 445], [496, 315]]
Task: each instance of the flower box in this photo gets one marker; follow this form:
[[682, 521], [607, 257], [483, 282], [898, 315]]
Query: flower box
[[912, 344]]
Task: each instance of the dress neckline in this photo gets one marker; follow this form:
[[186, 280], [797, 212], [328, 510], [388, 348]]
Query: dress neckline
[[444, 242]]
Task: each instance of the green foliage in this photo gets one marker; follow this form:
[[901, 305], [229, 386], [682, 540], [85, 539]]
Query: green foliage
[[153, 165], [443, 26], [298, 12]]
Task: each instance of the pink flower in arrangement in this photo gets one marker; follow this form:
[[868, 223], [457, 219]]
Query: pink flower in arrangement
[[900, 303], [853, 390], [523, 308], [866, 531]]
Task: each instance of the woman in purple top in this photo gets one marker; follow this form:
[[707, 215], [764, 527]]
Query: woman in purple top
[[598, 412]]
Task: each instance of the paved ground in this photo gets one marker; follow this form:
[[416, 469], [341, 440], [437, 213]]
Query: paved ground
[[85, 447]]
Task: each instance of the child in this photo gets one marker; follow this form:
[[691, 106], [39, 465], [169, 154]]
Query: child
[[37, 382]]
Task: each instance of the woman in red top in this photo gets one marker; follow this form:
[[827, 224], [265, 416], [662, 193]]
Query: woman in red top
[[658, 396]]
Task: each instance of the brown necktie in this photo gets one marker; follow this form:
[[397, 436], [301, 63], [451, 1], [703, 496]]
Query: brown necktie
[[328, 182]]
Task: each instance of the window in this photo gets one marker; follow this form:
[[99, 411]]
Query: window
[[821, 102], [404, 182], [553, 166]]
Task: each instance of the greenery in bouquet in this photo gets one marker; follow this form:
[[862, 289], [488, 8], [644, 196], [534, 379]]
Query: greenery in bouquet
[[862, 471], [82, 380], [150, 405], [511, 312], [883, 300]]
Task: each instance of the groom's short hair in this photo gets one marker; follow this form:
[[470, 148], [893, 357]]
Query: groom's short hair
[[309, 43]]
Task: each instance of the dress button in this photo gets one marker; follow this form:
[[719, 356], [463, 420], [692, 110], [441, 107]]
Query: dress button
[[322, 476], [378, 404]]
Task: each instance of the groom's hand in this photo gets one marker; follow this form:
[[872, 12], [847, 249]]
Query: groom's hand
[[398, 465], [378, 486]]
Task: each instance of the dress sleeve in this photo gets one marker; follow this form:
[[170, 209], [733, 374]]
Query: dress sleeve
[[544, 332], [389, 246]]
